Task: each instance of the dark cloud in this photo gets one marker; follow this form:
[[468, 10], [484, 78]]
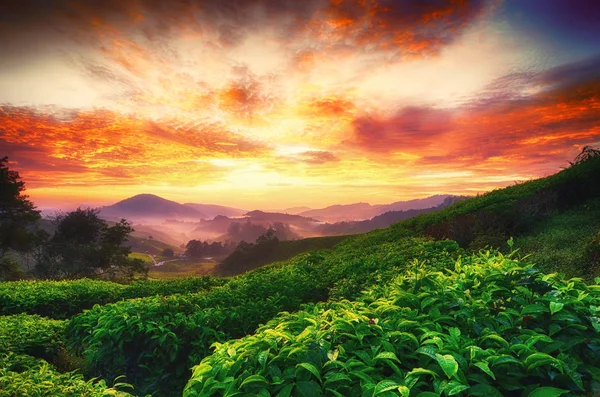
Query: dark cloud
[[537, 119], [410, 26], [411, 128]]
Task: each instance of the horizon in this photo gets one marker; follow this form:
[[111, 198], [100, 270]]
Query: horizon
[[61, 208], [273, 105]]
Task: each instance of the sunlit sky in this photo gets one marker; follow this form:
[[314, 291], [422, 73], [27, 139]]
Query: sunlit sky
[[280, 103]]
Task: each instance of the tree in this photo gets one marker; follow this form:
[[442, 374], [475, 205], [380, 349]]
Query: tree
[[17, 213], [168, 253], [83, 245]]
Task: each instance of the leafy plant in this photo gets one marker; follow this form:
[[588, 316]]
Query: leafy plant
[[489, 326]]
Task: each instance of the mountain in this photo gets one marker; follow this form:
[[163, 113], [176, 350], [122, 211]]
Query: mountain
[[148, 207], [296, 210], [382, 221], [417, 204], [341, 212], [211, 210], [363, 211]]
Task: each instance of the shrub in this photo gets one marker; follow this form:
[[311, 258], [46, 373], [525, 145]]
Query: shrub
[[25, 376], [154, 341], [32, 335], [63, 299], [489, 326]]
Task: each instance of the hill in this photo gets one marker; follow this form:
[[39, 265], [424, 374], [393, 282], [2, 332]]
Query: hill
[[387, 313], [211, 210], [364, 211], [148, 207]]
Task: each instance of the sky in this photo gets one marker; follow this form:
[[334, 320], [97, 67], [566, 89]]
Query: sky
[[275, 104]]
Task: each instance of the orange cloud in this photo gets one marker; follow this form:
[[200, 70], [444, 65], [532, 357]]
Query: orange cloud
[[103, 147], [505, 130]]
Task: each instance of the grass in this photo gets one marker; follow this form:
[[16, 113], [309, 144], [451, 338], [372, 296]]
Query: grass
[[145, 257], [181, 268], [561, 243]]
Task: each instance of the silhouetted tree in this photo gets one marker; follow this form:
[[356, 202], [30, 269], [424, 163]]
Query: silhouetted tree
[[83, 245], [168, 252], [17, 213], [18, 218]]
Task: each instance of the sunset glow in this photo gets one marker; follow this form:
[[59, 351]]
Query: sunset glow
[[274, 104]]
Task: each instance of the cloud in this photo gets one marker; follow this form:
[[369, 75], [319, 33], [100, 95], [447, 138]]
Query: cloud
[[78, 147], [533, 122]]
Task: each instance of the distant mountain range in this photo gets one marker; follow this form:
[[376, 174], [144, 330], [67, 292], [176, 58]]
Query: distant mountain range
[[361, 211], [151, 208], [177, 223], [211, 210]]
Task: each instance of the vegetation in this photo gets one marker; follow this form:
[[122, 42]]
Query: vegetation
[[63, 299], [393, 312], [154, 341], [17, 216], [250, 256], [83, 245], [487, 326]]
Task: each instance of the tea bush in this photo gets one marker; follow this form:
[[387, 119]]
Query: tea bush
[[25, 376], [487, 326], [154, 341], [63, 299], [32, 335]]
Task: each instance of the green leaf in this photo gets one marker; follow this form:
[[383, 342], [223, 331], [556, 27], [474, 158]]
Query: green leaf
[[336, 377], [555, 307], [308, 389], [428, 394], [454, 387], [385, 385], [448, 364], [286, 391], [310, 368], [482, 365], [262, 358], [534, 309], [387, 355], [421, 371], [404, 391], [547, 392], [253, 379]]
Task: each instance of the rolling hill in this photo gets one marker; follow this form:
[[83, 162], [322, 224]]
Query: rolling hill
[[149, 207], [211, 210], [364, 211]]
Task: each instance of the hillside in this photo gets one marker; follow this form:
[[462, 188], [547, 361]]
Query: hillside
[[364, 211], [387, 313], [211, 210], [148, 207]]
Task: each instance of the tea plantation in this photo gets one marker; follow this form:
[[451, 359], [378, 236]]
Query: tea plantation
[[419, 309]]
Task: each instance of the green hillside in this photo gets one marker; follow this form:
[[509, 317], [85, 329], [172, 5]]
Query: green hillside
[[403, 311]]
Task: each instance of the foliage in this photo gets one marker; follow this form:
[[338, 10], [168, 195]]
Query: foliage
[[491, 218], [246, 255], [168, 253], [283, 250], [63, 299], [84, 245], [17, 216], [155, 341], [32, 335], [25, 376], [200, 249], [488, 326], [566, 242]]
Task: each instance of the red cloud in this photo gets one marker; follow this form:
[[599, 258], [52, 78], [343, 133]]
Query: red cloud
[[539, 132], [76, 147]]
